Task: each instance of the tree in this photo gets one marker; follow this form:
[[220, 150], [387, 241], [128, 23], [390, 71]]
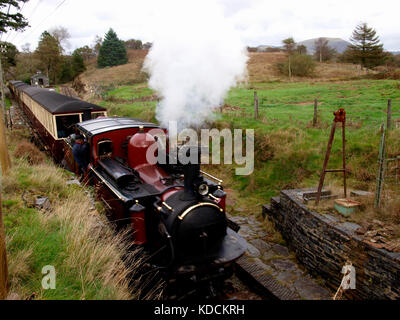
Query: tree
[[62, 35], [86, 52], [9, 57], [365, 47], [49, 55], [12, 21], [323, 52], [289, 44], [78, 65], [9, 20], [26, 48], [147, 46], [134, 44], [97, 42], [301, 49], [112, 51], [66, 73], [301, 65], [27, 65]]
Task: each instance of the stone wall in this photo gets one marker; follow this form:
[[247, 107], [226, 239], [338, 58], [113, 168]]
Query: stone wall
[[323, 244]]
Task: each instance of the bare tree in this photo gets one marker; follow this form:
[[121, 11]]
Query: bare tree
[[97, 42], [26, 48], [323, 52], [62, 35]]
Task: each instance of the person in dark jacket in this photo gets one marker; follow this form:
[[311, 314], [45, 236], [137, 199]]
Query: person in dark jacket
[[80, 151]]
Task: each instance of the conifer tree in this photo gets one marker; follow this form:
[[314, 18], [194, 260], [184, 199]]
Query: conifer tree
[[112, 51], [365, 48]]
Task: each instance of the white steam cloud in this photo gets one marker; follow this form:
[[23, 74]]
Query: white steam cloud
[[195, 59]]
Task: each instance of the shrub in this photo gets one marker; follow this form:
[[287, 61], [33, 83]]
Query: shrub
[[301, 65]]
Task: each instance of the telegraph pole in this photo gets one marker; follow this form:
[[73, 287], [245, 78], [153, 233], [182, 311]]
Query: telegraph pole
[[4, 284], [3, 50], [5, 160], [5, 166]]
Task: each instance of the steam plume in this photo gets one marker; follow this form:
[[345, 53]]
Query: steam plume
[[196, 58]]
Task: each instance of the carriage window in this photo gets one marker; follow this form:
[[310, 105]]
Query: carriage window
[[105, 149], [65, 125]]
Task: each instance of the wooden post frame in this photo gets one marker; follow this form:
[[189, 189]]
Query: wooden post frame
[[340, 116], [380, 179], [315, 119], [256, 105], [389, 115]]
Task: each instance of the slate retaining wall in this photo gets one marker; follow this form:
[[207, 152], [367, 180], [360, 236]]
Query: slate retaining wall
[[323, 244]]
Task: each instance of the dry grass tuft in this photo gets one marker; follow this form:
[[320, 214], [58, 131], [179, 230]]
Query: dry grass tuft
[[29, 151]]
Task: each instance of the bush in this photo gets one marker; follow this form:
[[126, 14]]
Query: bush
[[301, 65]]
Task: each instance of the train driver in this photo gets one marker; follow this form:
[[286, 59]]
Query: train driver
[[80, 151]]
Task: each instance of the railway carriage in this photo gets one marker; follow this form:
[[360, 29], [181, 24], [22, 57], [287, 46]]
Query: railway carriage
[[52, 115]]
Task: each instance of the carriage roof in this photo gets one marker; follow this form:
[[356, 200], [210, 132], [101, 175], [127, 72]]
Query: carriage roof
[[57, 103]]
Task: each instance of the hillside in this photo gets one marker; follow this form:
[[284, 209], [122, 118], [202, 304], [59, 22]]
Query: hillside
[[261, 68]]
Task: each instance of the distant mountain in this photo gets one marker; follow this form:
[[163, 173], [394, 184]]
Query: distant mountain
[[395, 52], [338, 44], [266, 48]]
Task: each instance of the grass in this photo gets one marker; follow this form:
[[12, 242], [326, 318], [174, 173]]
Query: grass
[[289, 151], [72, 237], [8, 103]]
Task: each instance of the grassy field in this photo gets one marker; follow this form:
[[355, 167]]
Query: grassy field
[[71, 236], [289, 151]]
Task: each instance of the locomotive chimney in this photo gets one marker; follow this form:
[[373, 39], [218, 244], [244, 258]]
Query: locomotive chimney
[[191, 173]]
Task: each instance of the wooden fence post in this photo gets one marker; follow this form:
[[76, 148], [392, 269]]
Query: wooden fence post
[[4, 284], [389, 114], [315, 120], [255, 105]]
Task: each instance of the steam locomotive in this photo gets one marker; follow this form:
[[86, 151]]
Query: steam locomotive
[[174, 211]]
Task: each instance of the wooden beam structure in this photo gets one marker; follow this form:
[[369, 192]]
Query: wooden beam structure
[[340, 116]]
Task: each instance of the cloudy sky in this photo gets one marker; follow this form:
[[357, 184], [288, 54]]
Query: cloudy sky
[[257, 22]]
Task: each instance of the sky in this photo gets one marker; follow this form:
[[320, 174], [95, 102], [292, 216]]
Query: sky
[[257, 22]]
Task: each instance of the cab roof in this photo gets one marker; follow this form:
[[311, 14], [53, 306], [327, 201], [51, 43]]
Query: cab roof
[[95, 127]]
